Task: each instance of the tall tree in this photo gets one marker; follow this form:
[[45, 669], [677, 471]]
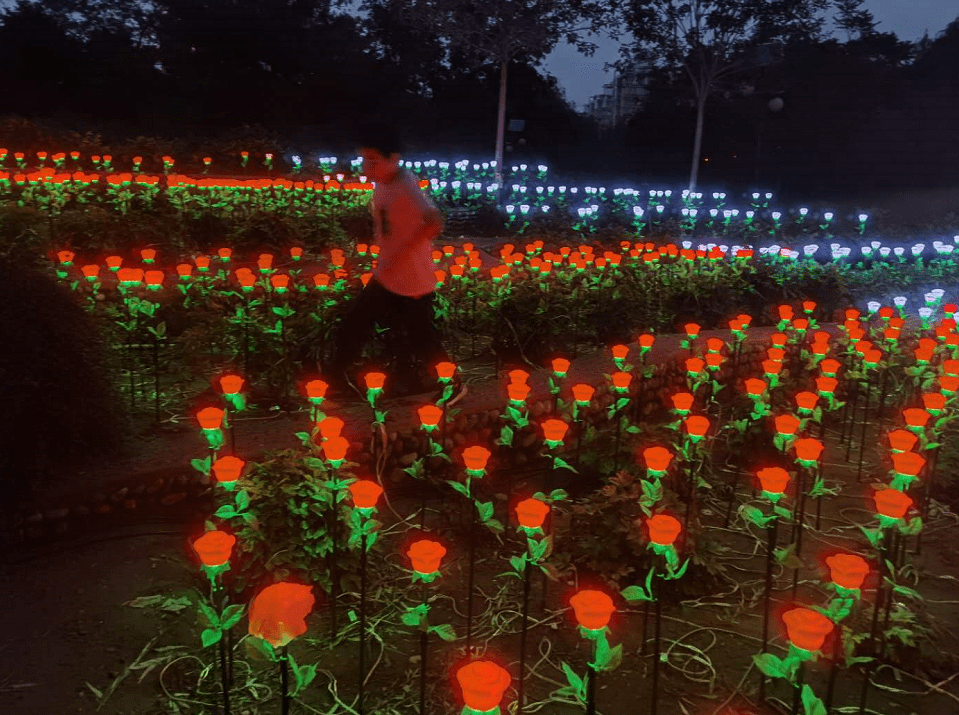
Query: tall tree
[[500, 31], [854, 19], [713, 40]]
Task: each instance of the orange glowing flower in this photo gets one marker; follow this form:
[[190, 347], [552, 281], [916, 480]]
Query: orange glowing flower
[[445, 370], [786, 425], [334, 449], [848, 570], [316, 389], [908, 464], [663, 529], [892, 503], [531, 513], [916, 417], [695, 365], [583, 393], [278, 613], [365, 493], [593, 609], [696, 426], [554, 430], [657, 459], [214, 548], [807, 629], [518, 377], [475, 458], [560, 366], [682, 401], [807, 400], [773, 479], [621, 380], [755, 387], [210, 417], [808, 449], [374, 380], [425, 555], [231, 384], [429, 415], [483, 683]]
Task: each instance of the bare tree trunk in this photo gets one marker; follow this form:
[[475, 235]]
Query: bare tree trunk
[[698, 142], [501, 124]]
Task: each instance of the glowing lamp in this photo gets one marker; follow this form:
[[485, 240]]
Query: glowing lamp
[[425, 556], [231, 384], [475, 459], [593, 609], [280, 282], [330, 427], [374, 381], [772, 367], [657, 460], [829, 367], [949, 385], [646, 341], [892, 503], [776, 354], [934, 402], [316, 391], [755, 387], [113, 262], [621, 381], [365, 493], [808, 306], [278, 612], [154, 279], [518, 377], [714, 361], [714, 345], [554, 431], [663, 529], [848, 571], [807, 629], [806, 401], [66, 257], [202, 263], [902, 441], [264, 261], [91, 272], [786, 425], [619, 352], [334, 449], [785, 312], [950, 367], [560, 366], [531, 513], [184, 270], [695, 365], [908, 464], [808, 450], [517, 392], [227, 469], [696, 427], [148, 255], [214, 548], [583, 393], [916, 418], [692, 330], [225, 253], [774, 481], [483, 683], [210, 418], [246, 279], [429, 417]]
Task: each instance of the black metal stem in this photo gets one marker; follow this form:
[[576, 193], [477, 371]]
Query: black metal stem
[[469, 595], [862, 437], [156, 377], [284, 682], [361, 709], [656, 650], [520, 699], [770, 549], [591, 689]]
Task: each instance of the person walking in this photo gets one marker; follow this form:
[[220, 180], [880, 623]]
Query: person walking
[[400, 293]]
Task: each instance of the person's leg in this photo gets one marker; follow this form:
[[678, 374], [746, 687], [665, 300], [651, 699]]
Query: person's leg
[[372, 305], [426, 342]]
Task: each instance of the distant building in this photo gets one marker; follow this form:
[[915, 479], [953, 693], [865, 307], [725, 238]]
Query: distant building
[[621, 98]]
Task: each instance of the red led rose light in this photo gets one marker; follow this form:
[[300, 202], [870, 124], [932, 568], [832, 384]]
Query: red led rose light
[[365, 493], [619, 352], [696, 427], [593, 609], [425, 556], [374, 380], [621, 381], [692, 330], [517, 392], [808, 450], [227, 469], [663, 529], [583, 393], [902, 441], [429, 416], [231, 384], [892, 503], [214, 548], [560, 366], [778, 340], [483, 684], [916, 418], [518, 377], [807, 628], [934, 402], [278, 613], [774, 481], [714, 345], [786, 425], [330, 427], [445, 370], [695, 365], [531, 513], [826, 385], [908, 464], [316, 390], [848, 570], [475, 458], [950, 367], [210, 418], [334, 449], [657, 459], [785, 312], [682, 402], [829, 367], [554, 430], [772, 367], [755, 387], [646, 341], [806, 401]]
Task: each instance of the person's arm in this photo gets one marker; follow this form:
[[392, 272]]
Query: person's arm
[[430, 225]]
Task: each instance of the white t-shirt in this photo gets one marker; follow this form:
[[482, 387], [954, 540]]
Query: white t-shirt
[[400, 209]]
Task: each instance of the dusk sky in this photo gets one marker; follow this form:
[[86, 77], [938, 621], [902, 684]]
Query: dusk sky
[[581, 77]]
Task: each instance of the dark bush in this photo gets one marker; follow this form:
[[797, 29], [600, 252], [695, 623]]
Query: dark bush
[[58, 403]]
